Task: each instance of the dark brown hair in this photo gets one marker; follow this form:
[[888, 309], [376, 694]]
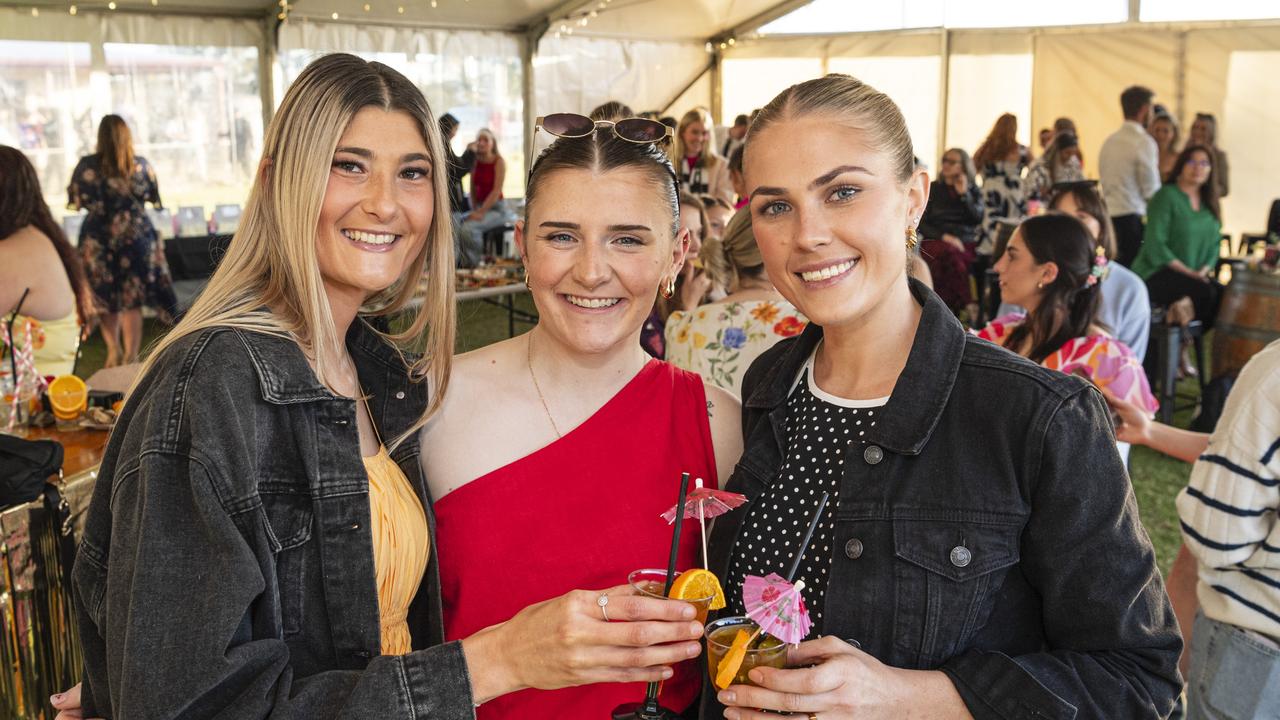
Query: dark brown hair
[[1209, 190], [22, 204], [1090, 201], [603, 151], [1068, 305], [115, 147], [1133, 99], [612, 110]]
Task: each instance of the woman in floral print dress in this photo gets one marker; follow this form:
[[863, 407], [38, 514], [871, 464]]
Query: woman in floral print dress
[[123, 258], [720, 340]]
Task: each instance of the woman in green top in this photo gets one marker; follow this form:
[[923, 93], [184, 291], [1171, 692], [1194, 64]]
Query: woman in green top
[[1180, 245]]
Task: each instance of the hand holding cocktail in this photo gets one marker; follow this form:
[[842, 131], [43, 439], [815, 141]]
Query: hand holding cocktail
[[832, 680], [575, 645]]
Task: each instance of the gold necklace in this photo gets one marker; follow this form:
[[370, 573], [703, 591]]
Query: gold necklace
[[547, 410]]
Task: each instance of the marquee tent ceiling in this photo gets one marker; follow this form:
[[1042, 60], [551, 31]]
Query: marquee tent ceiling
[[652, 19]]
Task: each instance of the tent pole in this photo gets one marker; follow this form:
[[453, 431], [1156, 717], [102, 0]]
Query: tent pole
[[944, 96], [717, 85], [266, 68]]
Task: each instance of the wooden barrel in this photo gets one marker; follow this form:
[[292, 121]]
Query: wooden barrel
[[1248, 320]]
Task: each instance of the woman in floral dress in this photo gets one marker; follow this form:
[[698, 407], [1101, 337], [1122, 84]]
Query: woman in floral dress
[[720, 340], [1053, 268], [123, 258]]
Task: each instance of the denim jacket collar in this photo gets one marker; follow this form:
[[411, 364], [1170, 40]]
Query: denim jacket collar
[[921, 392], [285, 377]]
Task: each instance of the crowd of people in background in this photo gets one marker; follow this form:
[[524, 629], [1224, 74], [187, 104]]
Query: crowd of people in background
[[1076, 266]]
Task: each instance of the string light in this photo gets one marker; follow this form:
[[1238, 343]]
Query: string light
[[155, 3], [73, 10], [35, 12], [367, 7], [400, 9], [111, 5], [434, 4], [334, 16]]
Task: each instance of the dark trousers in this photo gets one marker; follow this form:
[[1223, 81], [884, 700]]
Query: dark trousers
[[1168, 286], [950, 269], [1128, 237]]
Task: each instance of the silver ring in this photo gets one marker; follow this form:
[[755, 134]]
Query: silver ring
[[603, 601]]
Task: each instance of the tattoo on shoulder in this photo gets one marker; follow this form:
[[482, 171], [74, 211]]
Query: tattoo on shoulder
[[710, 406]]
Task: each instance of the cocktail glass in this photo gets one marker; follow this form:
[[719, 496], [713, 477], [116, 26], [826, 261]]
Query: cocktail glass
[[651, 583], [764, 651]]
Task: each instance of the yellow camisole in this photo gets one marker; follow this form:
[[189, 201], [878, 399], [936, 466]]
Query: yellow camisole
[[56, 342], [401, 546]]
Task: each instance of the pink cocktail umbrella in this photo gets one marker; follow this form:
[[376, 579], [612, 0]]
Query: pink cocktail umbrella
[[777, 606], [704, 503]]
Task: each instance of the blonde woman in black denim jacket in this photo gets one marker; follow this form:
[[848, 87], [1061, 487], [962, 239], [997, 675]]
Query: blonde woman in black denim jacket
[[227, 567], [982, 556]]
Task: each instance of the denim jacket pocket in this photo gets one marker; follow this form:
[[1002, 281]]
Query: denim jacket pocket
[[289, 516], [947, 574]]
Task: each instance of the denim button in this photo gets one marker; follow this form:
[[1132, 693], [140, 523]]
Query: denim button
[[960, 556], [853, 549], [873, 455], [400, 395]]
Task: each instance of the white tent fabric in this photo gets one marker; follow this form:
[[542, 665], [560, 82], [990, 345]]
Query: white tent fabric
[[475, 59]]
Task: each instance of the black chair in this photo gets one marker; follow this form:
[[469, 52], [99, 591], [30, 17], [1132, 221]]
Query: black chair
[[1164, 354], [493, 240], [1273, 219]]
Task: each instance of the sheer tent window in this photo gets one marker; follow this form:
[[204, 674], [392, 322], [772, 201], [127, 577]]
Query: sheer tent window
[[182, 83], [575, 74], [476, 76], [195, 114], [46, 109]]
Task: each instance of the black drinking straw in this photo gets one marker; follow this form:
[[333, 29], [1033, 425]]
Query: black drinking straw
[[651, 692], [13, 342], [808, 535], [675, 534]]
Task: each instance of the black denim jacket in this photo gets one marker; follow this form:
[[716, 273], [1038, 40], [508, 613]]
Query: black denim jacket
[[226, 568], [988, 530]]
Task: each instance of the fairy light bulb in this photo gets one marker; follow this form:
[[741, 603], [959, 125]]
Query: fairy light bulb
[[111, 5], [400, 9], [73, 10], [367, 7]]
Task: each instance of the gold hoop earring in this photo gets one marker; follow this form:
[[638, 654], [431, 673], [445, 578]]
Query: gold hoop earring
[[669, 288], [526, 280], [913, 238]]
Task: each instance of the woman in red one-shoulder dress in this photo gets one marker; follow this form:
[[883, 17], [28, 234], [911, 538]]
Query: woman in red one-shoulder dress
[[556, 452]]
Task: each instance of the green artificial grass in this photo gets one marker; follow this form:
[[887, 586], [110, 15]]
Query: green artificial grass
[[1156, 478]]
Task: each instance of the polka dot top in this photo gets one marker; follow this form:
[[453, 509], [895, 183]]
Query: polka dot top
[[819, 428]]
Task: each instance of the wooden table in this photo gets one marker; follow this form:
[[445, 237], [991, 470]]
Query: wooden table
[[81, 449]]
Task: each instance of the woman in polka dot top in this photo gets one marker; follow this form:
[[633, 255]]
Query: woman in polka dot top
[[982, 555]]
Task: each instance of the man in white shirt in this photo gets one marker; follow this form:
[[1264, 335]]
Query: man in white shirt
[[1129, 168]]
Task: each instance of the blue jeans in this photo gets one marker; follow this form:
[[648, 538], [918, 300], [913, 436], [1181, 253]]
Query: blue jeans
[[1235, 673], [469, 234]]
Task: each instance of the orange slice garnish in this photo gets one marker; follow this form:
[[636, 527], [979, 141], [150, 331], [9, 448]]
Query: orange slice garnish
[[697, 584], [69, 396], [732, 660]]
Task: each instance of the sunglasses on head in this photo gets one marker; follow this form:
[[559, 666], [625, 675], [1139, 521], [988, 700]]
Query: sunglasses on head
[[635, 130]]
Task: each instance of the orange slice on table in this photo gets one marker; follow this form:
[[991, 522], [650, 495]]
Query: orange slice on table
[[732, 660], [697, 584], [69, 397]]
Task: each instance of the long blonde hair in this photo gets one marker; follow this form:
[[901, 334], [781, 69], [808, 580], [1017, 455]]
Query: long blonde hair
[[710, 158], [271, 262]]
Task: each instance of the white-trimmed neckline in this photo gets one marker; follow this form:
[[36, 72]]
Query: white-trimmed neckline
[[806, 370]]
